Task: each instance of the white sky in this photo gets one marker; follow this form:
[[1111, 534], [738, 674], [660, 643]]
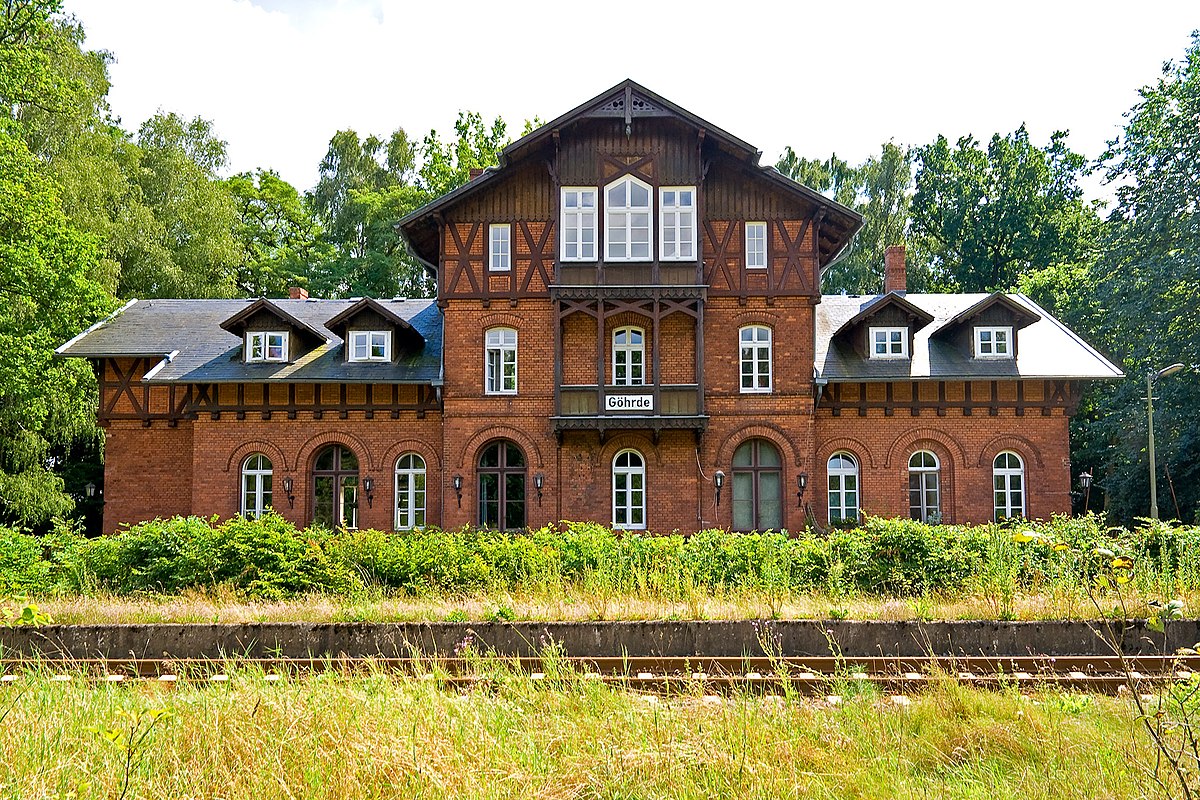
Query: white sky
[[279, 77]]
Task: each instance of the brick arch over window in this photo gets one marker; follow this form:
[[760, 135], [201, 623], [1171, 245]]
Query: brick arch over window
[[514, 321], [1009, 441], [906, 443], [247, 449], [757, 318], [421, 448], [763, 430], [629, 441], [849, 444], [468, 454], [310, 448]]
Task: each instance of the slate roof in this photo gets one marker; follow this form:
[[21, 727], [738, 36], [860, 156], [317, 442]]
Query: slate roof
[[1045, 349], [187, 334]]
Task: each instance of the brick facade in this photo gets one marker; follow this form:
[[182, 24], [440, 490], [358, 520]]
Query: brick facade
[[165, 456]]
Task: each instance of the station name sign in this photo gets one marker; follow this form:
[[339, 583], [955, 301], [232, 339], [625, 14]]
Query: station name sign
[[629, 402]]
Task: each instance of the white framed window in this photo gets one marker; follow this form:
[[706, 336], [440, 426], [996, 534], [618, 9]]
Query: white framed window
[[993, 342], [256, 486], [756, 245], [266, 346], [410, 492], [889, 342], [677, 223], [627, 220], [924, 492], [755, 341], [629, 357], [842, 471], [370, 345], [629, 490], [501, 247], [500, 359], [1008, 484], [578, 223]]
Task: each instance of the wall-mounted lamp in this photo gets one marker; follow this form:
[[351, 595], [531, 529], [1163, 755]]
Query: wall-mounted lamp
[[719, 481], [287, 489], [801, 485], [89, 489], [539, 480], [369, 488], [1085, 481], [457, 480]]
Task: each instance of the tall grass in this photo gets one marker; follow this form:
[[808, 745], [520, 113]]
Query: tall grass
[[379, 736]]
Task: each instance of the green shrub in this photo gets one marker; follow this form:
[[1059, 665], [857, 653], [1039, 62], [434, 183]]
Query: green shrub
[[22, 568]]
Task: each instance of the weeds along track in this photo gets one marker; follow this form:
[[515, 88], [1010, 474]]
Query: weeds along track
[[804, 675]]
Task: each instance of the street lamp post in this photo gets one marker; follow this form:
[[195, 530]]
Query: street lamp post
[[1152, 378]]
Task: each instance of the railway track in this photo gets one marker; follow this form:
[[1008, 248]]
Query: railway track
[[809, 675]]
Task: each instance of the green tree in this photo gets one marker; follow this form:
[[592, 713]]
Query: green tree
[[48, 295], [447, 165], [986, 216], [278, 232]]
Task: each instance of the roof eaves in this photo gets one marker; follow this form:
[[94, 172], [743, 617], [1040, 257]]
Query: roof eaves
[[263, 304], [986, 303], [378, 308], [874, 305]]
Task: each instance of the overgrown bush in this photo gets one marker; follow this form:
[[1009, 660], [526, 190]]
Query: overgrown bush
[[271, 558]]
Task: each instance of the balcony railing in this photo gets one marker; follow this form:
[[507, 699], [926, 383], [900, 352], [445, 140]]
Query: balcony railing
[[598, 407]]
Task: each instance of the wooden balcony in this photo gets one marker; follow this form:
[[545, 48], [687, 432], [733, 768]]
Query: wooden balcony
[[654, 408], [620, 273]]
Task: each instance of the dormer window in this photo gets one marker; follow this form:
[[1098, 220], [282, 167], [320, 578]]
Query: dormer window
[[627, 220], [264, 346], [993, 342], [889, 342], [370, 346]]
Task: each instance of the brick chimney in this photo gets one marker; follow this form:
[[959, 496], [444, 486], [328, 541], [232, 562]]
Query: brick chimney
[[894, 279], [474, 173], [300, 293]]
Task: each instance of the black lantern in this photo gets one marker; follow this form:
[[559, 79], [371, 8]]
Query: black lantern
[[457, 480], [369, 488], [287, 489], [1085, 481], [539, 480], [719, 481], [801, 485], [89, 489]]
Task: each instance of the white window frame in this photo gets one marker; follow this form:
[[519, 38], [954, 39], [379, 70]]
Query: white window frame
[[923, 473], [500, 247], [575, 219], [369, 340], [259, 345], [753, 352], [1006, 482], [256, 497], [756, 245], [684, 235], [838, 497], [623, 356], [992, 332], [500, 352], [629, 503], [889, 341], [410, 470], [626, 213]]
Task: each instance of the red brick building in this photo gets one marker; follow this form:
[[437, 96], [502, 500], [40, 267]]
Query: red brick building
[[628, 329]]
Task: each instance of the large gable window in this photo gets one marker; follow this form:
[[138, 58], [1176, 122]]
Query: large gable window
[[627, 220], [578, 224], [266, 346], [370, 345], [677, 207]]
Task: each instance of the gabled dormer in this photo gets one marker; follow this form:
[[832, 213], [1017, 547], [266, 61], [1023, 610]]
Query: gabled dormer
[[884, 327], [372, 332], [989, 329], [270, 335]]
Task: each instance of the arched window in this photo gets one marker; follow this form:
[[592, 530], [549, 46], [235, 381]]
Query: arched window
[[1008, 481], [757, 487], [500, 361], [627, 220], [629, 490], [756, 358], [501, 486], [924, 490], [629, 357], [256, 486], [843, 488], [335, 488], [410, 492]]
